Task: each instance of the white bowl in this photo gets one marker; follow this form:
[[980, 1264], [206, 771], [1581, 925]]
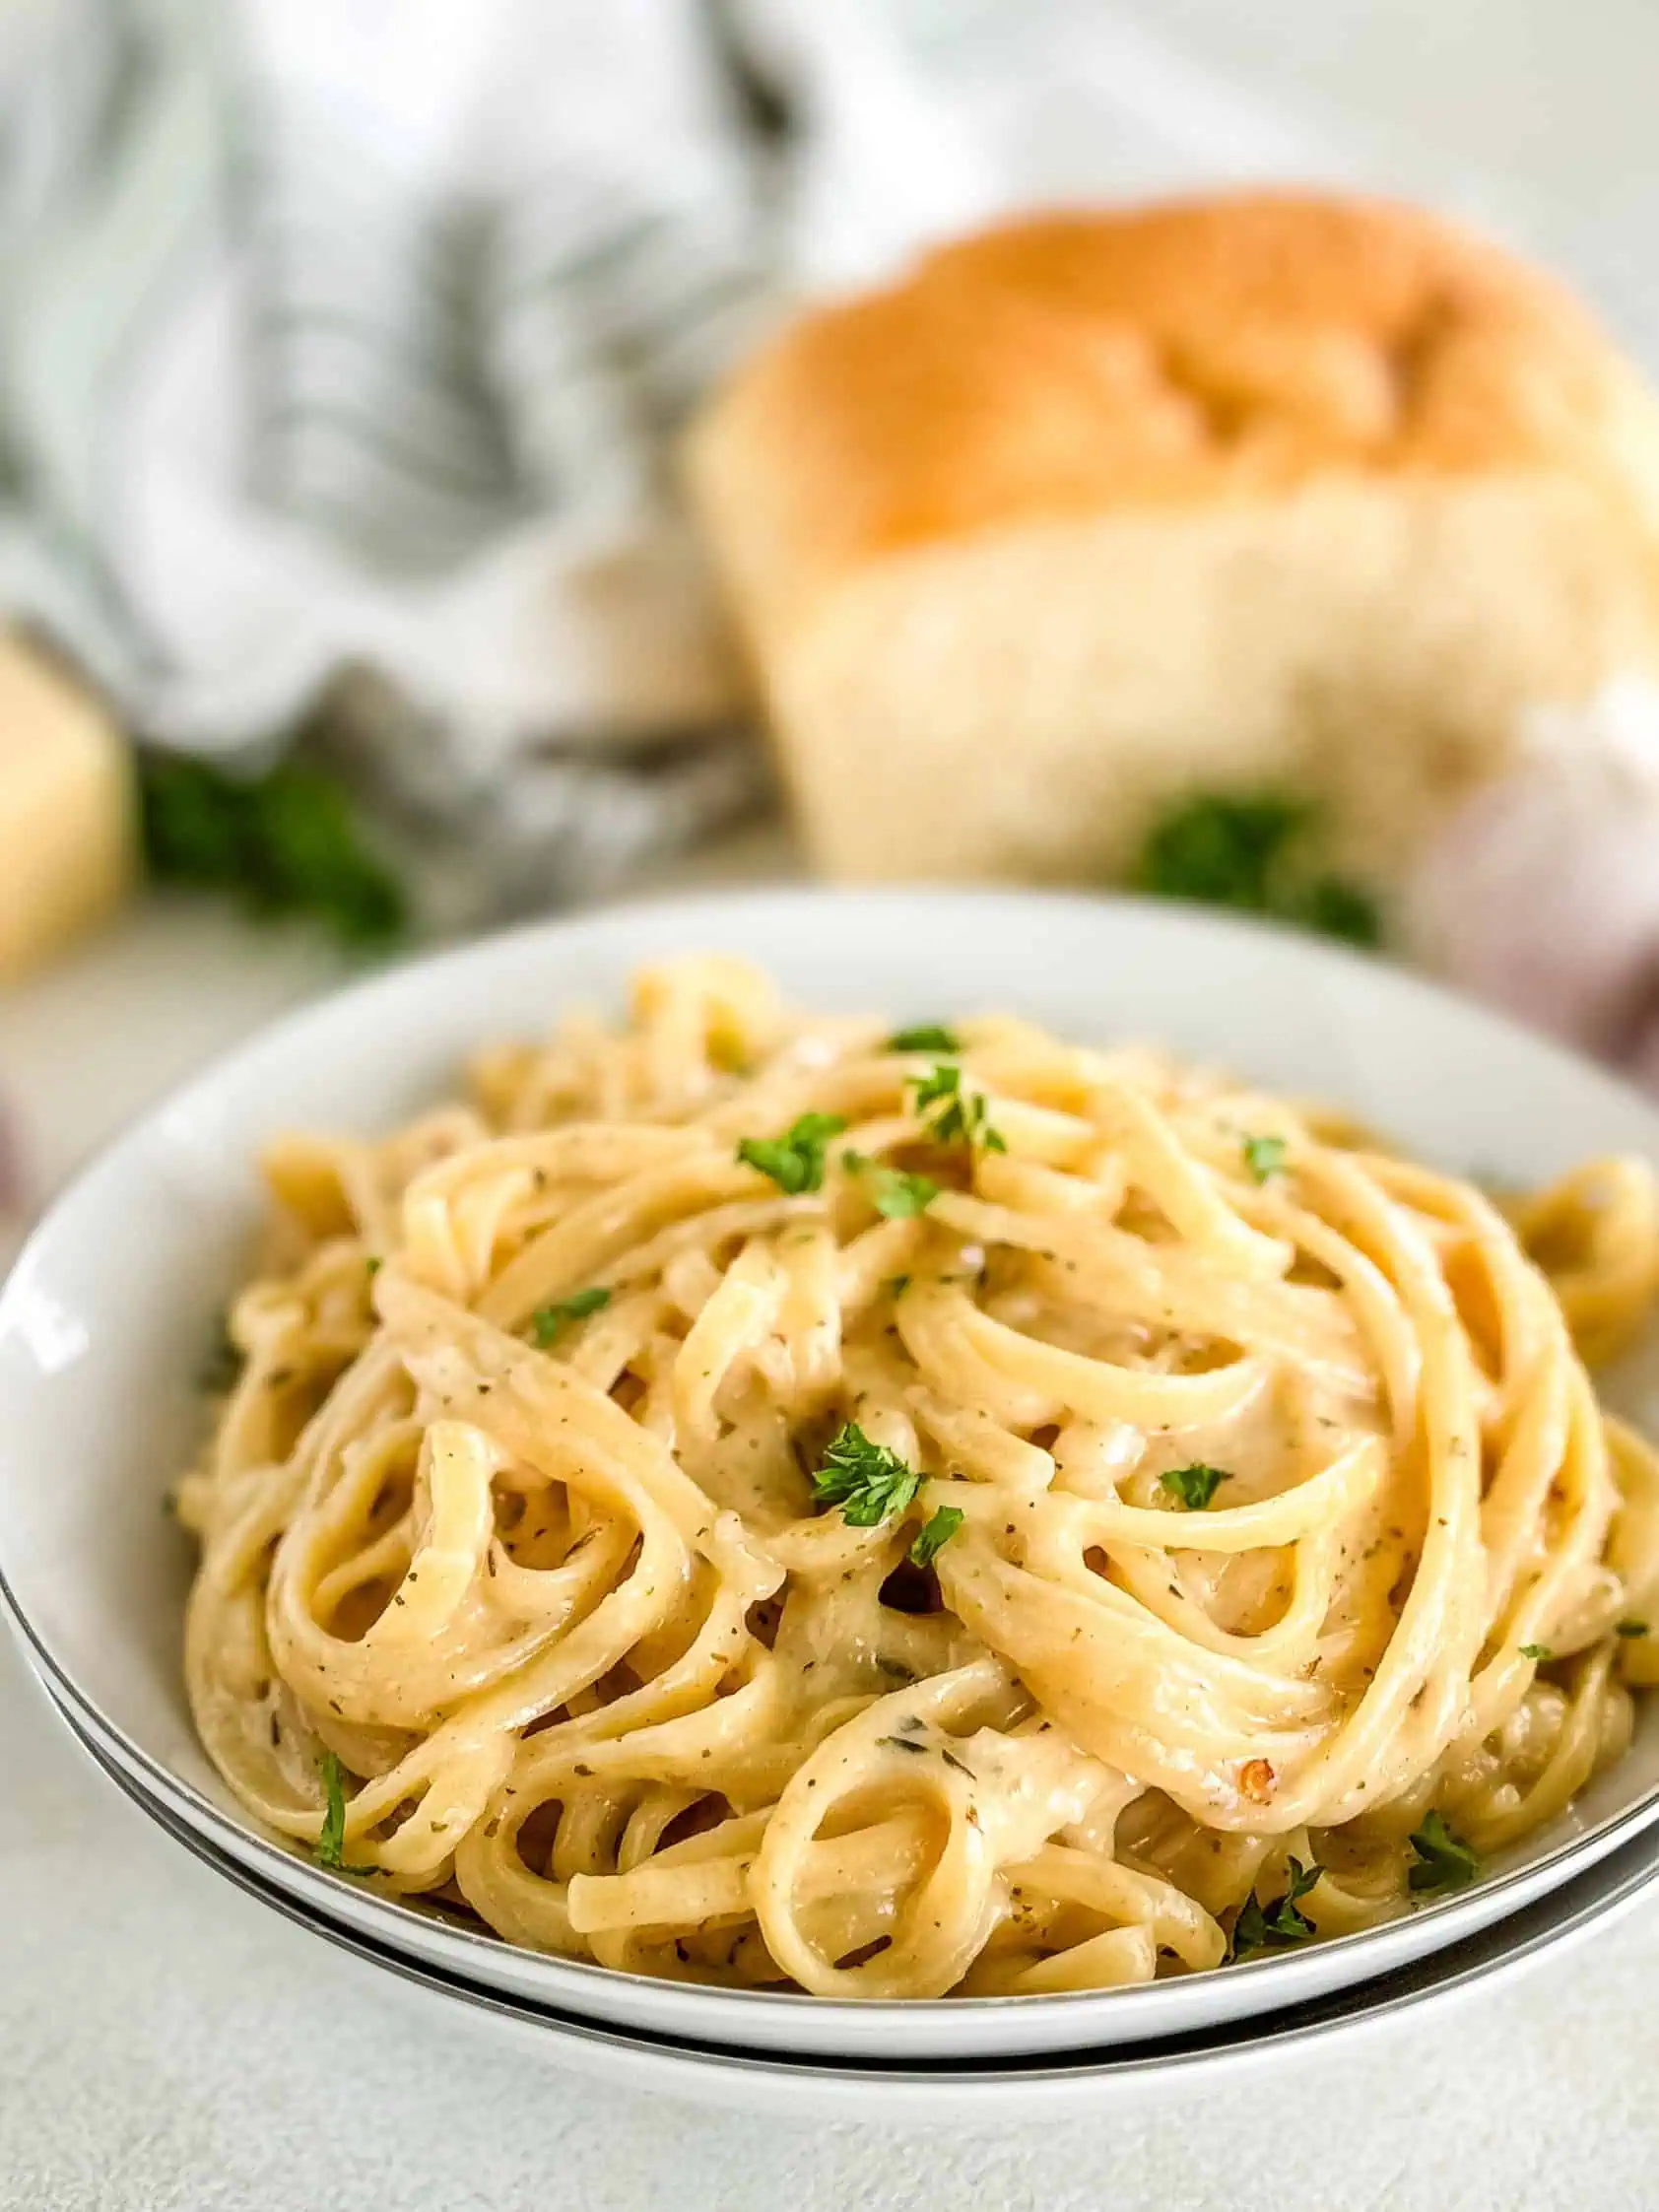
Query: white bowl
[[104, 1317]]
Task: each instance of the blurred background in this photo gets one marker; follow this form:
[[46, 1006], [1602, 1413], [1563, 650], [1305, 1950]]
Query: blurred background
[[352, 598]]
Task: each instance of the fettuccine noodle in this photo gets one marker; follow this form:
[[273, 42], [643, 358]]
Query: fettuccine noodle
[[1278, 1563]]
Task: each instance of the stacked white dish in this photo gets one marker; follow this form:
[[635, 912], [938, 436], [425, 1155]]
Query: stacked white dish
[[102, 1321]]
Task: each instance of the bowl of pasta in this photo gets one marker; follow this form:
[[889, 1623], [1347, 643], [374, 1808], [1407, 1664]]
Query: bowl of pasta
[[976, 1474]]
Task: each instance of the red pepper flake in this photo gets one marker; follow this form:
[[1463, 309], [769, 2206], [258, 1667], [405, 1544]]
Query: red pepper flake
[[1255, 1781]]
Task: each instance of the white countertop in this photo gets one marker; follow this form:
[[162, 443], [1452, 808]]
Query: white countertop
[[165, 2041]]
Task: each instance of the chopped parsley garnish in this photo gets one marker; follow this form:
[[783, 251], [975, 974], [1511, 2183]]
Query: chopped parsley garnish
[[222, 1361], [372, 1263], [1333, 907], [1263, 1156], [1249, 851], [935, 1534], [1628, 1629], [865, 1479], [1536, 1651], [925, 1037], [962, 1114], [794, 1160], [285, 843], [1277, 1927], [329, 1849], [1444, 1860], [896, 1285], [1194, 1486], [548, 1322], [893, 1191]]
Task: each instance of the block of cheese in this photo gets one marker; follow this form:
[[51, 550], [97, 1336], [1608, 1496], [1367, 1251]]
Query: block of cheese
[[1098, 509], [68, 844]]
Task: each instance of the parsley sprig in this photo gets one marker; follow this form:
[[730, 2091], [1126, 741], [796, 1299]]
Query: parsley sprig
[[1276, 1927], [962, 1117], [1263, 1156], [329, 1849], [794, 1160], [926, 1037], [894, 1191], [1537, 1652], [1194, 1486], [935, 1534], [1444, 1862], [548, 1323], [285, 843], [1249, 851], [864, 1478]]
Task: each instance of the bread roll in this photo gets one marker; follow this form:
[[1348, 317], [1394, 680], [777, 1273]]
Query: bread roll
[[1102, 509]]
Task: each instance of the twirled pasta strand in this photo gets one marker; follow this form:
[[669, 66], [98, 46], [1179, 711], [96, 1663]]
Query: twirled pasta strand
[[1277, 1508]]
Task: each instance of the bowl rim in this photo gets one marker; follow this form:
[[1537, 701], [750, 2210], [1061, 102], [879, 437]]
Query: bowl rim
[[681, 917]]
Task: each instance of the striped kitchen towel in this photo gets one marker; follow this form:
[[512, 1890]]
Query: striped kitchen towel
[[341, 348]]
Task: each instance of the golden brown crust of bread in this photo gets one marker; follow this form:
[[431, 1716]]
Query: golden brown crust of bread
[[1207, 350]]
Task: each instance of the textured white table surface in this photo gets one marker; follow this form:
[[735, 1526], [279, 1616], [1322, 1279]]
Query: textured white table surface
[[165, 2041]]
